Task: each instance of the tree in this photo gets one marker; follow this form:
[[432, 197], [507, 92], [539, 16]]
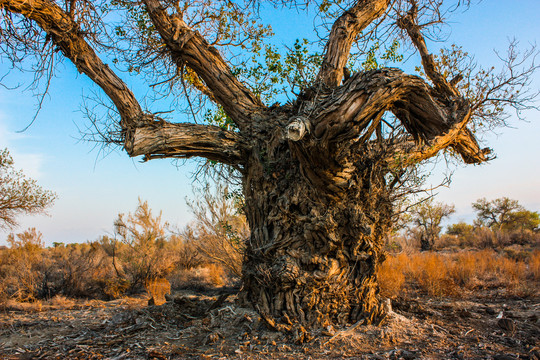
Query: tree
[[524, 220], [319, 173], [427, 217], [496, 213], [19, 194]]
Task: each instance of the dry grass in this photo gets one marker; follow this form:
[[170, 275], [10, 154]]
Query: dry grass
[[460, 274], [157, 289], [61, 302], [202, 277]]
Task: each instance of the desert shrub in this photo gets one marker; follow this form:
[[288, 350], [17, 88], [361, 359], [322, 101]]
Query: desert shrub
[[22, 266], [219, 229], [534, 265], [142, 248], [391, 275], [79, 270], [459, 274], [61, 302], [431, 274], [200, 278], [114, 287], [157, 289]]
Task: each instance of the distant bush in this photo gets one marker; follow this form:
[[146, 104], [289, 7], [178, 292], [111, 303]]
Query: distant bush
[[22, 265], [460, 274], [220, 229]]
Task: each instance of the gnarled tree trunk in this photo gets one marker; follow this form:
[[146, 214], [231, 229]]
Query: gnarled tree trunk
[[314, 246]]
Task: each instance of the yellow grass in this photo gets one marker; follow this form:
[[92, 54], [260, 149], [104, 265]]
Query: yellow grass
[[459, 274]]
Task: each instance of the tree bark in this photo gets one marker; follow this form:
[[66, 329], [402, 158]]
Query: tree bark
[[316, 241]]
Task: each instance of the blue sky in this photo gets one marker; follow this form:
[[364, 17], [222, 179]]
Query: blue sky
[[93, 189]]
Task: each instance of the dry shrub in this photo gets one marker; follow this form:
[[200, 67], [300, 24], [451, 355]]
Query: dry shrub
[[463, 268], [78, 270], [391, 275], [431, 273], [457, 274], [216, 274], [220, 229], [115, 287], [203, 277], [534, 265], [157, 289], [22, 264], [61, 302]]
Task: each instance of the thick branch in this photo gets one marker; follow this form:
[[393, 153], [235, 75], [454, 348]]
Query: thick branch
[[160, 139], [343, 33], [458, 138], [408, 23], [142, 135], [189, 47], [66, 34], [347, 112]]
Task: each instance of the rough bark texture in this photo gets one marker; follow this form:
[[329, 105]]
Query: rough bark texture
[[313, 175], [315, 245]]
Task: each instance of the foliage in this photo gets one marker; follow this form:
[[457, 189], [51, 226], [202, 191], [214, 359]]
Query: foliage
[[460, 229], [390, 54], [504, 214], [19, 194]]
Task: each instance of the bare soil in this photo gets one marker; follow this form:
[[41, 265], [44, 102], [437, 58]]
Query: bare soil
[[192, 326]]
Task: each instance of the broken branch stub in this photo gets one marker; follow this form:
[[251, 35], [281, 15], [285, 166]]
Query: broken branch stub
[[298, 128]]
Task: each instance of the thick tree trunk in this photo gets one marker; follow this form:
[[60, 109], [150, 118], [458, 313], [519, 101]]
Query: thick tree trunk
[[315, 245]]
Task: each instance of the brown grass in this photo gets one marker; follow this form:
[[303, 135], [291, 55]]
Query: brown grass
[[460, 274], [157, 289]]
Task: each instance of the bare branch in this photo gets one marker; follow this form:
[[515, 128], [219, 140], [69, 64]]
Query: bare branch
[[140, 133], [409, 23]]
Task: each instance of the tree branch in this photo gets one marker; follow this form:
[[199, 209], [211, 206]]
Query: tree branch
[[188, 47], [160, 139], [67, 36], [347, 112], [409, 24], [343, 33], [141, 134]]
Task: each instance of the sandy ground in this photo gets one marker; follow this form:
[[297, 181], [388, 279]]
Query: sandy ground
[[186, 327]]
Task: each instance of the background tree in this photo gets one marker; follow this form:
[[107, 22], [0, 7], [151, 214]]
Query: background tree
[[427, 218], [19, 194], [319, 173], [499, 213]]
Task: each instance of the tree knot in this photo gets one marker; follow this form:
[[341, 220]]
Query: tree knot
[[298, 128]]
